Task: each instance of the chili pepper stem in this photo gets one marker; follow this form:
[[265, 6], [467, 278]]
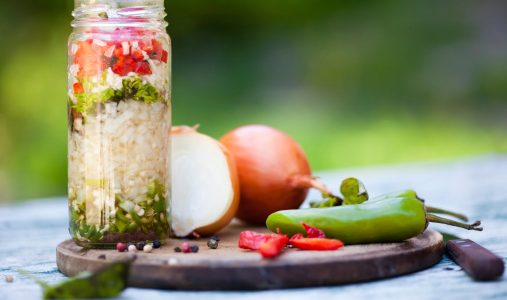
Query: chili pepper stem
[[311, 182], [436, 219], [436, 210]]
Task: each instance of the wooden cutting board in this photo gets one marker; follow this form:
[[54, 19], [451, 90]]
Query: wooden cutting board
[[231, 268]]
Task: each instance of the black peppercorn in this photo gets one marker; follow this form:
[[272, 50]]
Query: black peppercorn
[[215, 237], [177, 249], [140, 246], [212, 243], [194, 248], [156, 244]]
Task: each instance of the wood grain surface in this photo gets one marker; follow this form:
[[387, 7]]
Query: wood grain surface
[[231, 268]]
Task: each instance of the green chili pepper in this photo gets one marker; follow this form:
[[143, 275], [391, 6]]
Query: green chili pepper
[[412, 194], [399, 194], [388, 220]]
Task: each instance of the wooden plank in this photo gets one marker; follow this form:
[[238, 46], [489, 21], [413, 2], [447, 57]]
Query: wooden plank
[[231, 268]]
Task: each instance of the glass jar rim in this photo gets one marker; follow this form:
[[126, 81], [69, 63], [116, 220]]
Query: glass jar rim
[[118, 3], [119, 13]]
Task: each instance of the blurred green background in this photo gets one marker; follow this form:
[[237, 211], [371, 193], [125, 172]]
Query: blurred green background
[[355, 82]]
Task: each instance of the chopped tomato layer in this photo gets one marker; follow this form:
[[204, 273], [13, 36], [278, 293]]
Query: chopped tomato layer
[[124, 54]]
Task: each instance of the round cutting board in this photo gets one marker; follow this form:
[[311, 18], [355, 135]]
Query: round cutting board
[[231, 268]]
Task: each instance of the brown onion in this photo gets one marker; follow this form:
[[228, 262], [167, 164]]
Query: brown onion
[[274, 173]]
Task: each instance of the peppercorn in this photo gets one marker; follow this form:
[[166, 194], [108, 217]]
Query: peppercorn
[[132, 248], [177, 249], [215, 237], [140, 246], [185, 247], [212, 243], [9, 278], [147, 248], [121, 247], [156, 244], [194, 248]]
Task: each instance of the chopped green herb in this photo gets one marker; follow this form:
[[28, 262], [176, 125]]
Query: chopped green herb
[[135, 89], [149, 216], [132, 88]]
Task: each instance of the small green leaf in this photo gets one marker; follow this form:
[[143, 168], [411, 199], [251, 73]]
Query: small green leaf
[[353, 191], [106, 283]]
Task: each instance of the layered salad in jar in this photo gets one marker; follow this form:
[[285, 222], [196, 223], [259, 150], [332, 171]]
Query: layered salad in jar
[[119, 124]]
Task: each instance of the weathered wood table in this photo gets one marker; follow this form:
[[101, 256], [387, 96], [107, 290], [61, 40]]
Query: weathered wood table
[[30, 231]]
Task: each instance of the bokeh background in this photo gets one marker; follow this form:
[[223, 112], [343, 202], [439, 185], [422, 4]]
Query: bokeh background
[[355, 82]]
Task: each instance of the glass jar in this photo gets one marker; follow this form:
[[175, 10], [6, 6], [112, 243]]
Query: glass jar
[[119, 122]]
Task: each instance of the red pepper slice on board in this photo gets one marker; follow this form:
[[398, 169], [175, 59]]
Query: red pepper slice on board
[[274, 246], [313, 232], [296, 236], [252, 240], [320, 244], [268, 245]]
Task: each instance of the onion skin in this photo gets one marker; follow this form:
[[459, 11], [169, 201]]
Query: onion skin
[[274, 173], [213, 228]]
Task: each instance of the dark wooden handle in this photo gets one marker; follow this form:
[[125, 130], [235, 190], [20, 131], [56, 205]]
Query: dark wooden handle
[[477, 261]]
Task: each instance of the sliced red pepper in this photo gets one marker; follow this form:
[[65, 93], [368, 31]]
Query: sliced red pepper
[[320, 244], [165, 56], [313, 232], [252, 240], [296, 236], [156, 53], [137, 55], [143, 68], [89, 58], [268, 245], [78, 88], [274, 246], [118, 51], [124, 65]]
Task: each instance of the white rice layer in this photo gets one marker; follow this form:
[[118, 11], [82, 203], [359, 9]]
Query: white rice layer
[[120, 150]]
